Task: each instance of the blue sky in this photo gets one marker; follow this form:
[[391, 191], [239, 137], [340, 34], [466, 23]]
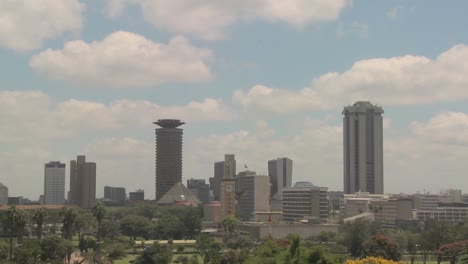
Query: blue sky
[[258, 78]]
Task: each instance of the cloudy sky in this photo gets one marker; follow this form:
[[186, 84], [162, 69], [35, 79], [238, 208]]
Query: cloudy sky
[[258, 78]]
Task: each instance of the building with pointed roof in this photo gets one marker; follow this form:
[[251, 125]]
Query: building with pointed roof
[[178, 194]]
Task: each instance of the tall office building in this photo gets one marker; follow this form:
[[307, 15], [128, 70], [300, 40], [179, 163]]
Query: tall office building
[[116, 194], [200, 189], [280, 172], [215, 182], [168, 155], [82, 183], [228, 187], [255, 191], [3, 194], [54, 182], [363, 148]]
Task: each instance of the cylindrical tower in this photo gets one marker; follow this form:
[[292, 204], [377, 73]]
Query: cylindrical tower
[[168, 155]]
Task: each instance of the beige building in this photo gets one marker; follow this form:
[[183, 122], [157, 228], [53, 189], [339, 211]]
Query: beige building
[[255, 194], [386, 209], [363, 148], [443, 214], [228, 187], [3, 194], [305, 201], [212, 212], [82, 183]]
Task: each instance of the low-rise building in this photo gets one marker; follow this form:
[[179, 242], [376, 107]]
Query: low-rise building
[[305, 201]]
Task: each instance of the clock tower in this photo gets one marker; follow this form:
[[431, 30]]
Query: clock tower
[[228, 186]]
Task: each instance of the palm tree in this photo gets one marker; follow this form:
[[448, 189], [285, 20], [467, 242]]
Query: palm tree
[[17, 220], [38, 217], [11, 217], [99, 212], [22, 218], [229, 223], [69, 216]]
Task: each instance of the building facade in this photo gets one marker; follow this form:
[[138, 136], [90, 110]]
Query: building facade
[[54, 183], [82, 183], [3, 194], [168, 155], [255, 196], [280, 173], [117, 194], [305, 201], [200, 189], [228, 187], [136, 196], [363, 148]]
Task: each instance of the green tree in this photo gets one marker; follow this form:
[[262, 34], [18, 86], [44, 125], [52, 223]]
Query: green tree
[[39, 217], [170, 227], [229, 224], [294, 250], [110, 229], [134, 226], [99, 212], [192, 222], [69, 216], [16, 221], [54, 249], [318, 255], [380, 246], [3, 251], [160, 254], [354, 234], [29, 252]]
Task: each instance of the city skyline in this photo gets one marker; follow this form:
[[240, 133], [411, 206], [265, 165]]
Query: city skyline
[[90, 77]]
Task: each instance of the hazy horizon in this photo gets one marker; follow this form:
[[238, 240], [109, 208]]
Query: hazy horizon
[[260, 79]]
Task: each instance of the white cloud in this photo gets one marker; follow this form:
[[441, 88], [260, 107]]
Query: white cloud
[[316, 152], [447, 128], [125, 59], [26, 24], [209, 19], [387, 81], [32, 115]]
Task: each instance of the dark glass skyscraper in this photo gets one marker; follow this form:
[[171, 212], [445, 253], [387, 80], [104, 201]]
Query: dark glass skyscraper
[[363, 148], [168, 155]]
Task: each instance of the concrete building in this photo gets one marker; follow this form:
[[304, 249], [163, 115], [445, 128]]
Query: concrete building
[[136, 196], [3, 194], [115, 194], [212, 212], [305, 201], [443, 214], [280, 173], [363, 148], [16, 200], [358, 203], [255, 194], [54, 183], [215, 181], [82, 183], [168, 155], [219, 173], [200, 189], [228, 186], [262, 231]]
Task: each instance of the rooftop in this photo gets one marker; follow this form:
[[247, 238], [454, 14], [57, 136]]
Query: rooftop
[[168, 123]]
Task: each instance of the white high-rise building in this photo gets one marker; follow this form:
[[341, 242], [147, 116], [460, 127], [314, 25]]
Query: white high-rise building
[[3, 194], [54, 183], [363, 148], [280, 173]]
